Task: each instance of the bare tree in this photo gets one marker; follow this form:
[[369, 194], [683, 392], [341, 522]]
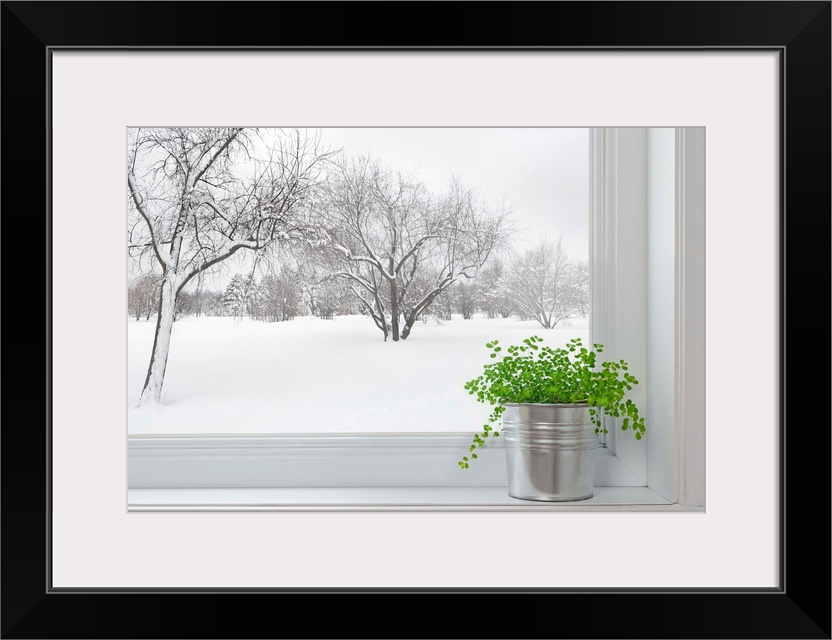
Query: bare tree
[[186, 305], [322, 293], [444, 305], [280, 293], [545, 285], [387, 232], [141, 295], [212, 303], [578, 281], [201, 301], [494, 296], [324, 297], [466, 298], [197, 196]]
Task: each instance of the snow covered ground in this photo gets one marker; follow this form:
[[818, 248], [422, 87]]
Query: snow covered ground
[[311, 375]]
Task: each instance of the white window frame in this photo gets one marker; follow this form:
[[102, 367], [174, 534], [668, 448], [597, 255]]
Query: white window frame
[[669, 461]]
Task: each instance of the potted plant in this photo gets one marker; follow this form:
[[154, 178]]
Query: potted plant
[[551, 404]]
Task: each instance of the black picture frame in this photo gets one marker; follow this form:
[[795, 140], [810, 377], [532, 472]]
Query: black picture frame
[[31, 608]]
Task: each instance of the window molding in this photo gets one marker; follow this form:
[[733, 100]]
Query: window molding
[[618, 266], [386, 499], [619, 210], [326, 460], [690, 274]]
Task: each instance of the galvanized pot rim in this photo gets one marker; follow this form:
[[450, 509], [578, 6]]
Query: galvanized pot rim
[[545, 404]]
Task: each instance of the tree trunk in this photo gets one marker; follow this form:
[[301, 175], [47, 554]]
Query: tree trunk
[[152, 391], [428, 300], [394, 310]]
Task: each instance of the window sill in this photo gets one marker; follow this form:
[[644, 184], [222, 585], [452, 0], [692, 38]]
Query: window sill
[[424, 499], [302, 461]]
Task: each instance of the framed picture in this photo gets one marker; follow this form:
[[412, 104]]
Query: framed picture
[[70, 543], [318, 355]]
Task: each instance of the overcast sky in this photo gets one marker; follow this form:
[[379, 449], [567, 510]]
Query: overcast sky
[[541, 174]]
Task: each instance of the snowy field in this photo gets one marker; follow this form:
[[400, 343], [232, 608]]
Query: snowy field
[[311, 375]]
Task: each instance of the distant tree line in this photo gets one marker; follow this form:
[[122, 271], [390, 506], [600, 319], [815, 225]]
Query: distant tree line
[[541, 284]]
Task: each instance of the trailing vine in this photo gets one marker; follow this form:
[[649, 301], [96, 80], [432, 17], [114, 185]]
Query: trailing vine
[[533, 374]]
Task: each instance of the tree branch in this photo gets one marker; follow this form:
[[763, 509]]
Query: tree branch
[[223, 147], [161, 255], [210, 263]]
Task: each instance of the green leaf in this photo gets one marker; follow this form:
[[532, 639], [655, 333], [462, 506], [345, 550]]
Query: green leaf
[[529, 373]]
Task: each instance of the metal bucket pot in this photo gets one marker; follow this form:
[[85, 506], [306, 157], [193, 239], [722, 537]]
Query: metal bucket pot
[[550, 451]]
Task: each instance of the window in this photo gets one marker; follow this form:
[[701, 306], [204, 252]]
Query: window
[[646, 264], [485, 89], [365, 303]]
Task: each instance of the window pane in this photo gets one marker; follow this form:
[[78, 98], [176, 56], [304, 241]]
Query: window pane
[[329, 280]]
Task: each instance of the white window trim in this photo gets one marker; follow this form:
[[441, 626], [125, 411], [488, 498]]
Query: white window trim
[[619, 179], [689, 454]]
